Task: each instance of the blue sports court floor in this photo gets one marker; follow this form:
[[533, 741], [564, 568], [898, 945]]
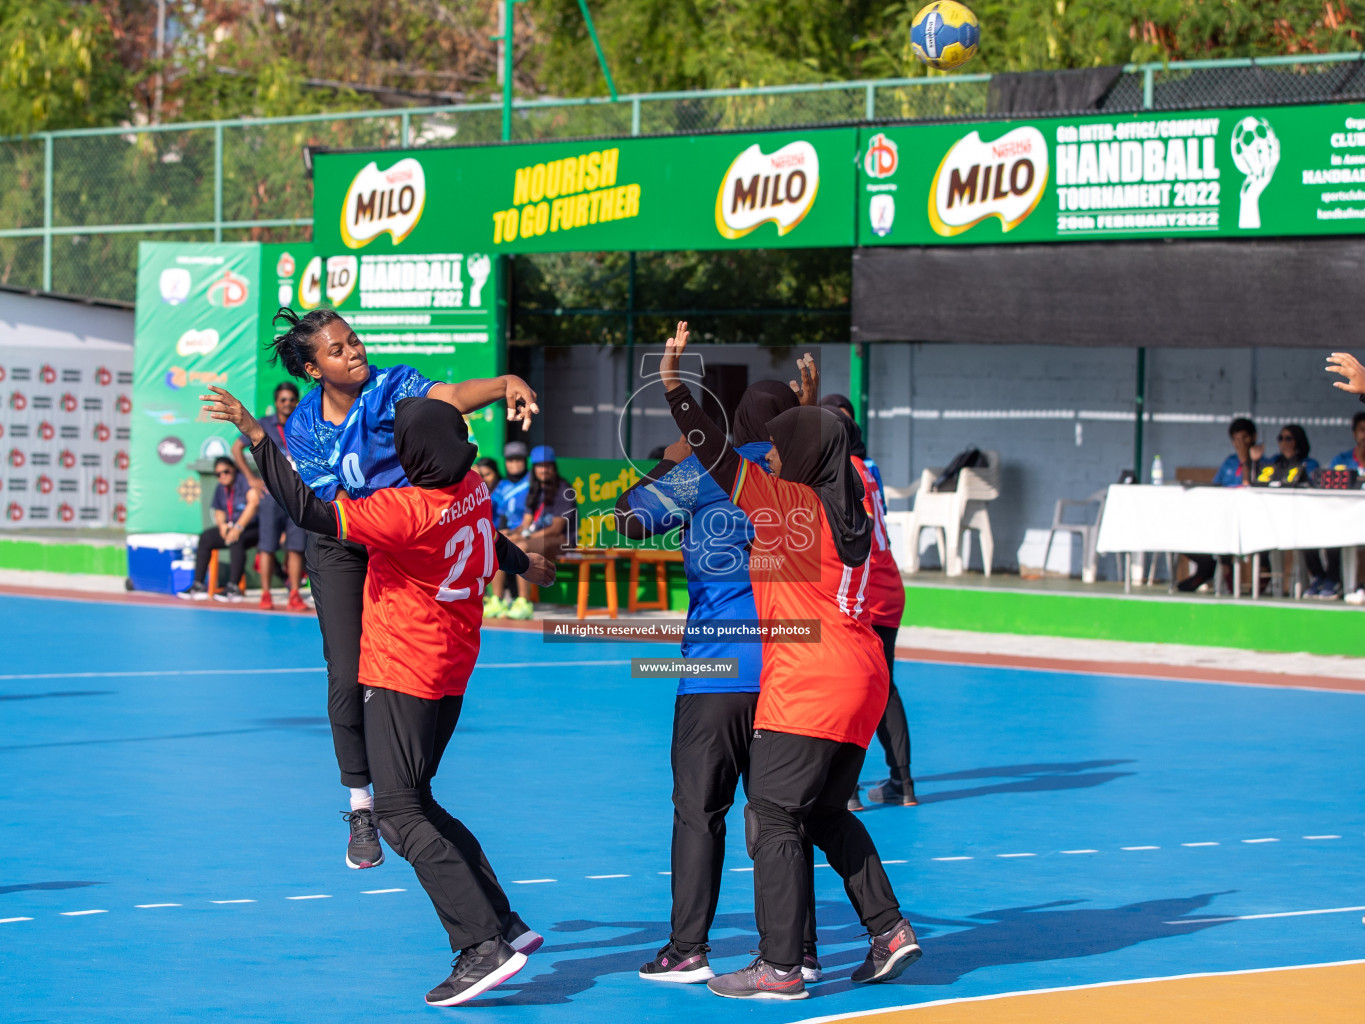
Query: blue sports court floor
[[171, 847]]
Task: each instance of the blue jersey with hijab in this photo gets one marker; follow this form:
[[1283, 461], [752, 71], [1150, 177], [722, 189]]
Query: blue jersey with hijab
[[356, 456], [715, 550]]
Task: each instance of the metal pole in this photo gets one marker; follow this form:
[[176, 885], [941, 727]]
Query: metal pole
[[857, 382], [218, 183], [1140, 402], [508, 35], [160, 53], [596, 45], [47, 213], [630, 350], [1147, 88]]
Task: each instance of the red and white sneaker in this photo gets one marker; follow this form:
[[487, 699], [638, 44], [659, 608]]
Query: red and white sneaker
[[892, 952], [267, 602], [296, 603]]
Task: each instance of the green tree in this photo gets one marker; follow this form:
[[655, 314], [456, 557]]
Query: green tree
[[57, 67]]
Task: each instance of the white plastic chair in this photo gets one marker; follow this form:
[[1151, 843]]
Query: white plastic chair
[[950, 514], [1089, 532]]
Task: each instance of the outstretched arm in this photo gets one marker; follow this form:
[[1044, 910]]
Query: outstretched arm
[[635, 520], [281, 479], [471, 395], [706, 438], [1349, 367]]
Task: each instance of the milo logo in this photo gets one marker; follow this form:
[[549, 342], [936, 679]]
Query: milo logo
[[380, 201], [977, 179], [760, 187]]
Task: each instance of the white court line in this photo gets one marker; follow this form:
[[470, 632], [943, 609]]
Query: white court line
[[1080, 851], [232, 901], [166, 672], [81, 913], [665, 872], [1140, 847], [1322, 837], [153, 906], [532, 881], [319, 896], [822, 865], [1260, 840], [895, 862], [948, 858], [379, 892], [1016, 855], [11, 920], [606, 876], [741, 869], [1262, 917], [1198, 844], [1077, 988]]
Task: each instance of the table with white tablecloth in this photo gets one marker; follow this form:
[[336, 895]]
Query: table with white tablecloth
[[1232, 521]]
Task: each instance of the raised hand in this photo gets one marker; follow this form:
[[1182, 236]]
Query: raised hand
[[678, 450], [221, 405], [673, 350], [808, 391], [1349, 367], [521, 401]]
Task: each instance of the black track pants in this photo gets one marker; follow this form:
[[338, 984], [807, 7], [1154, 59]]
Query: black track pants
[[407, 736], [799, 786], [336, 574], [893, 731]]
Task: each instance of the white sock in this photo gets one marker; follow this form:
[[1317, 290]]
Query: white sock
[[362, 799]]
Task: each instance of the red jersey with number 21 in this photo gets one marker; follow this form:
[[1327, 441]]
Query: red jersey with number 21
[[431, 555]]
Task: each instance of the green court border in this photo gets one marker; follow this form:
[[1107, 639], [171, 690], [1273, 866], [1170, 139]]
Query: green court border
[[1205, 622], [57, 556]]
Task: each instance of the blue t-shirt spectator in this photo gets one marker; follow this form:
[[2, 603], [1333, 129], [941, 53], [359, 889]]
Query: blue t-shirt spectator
[[1347, 459], [715, 548], [1229, 473], [357, 456], [231, 501], [509, 502]]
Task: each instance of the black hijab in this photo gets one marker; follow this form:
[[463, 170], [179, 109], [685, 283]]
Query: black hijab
[[856, 445], [813, 445], [432, 442], [762, 402], [837, 401]]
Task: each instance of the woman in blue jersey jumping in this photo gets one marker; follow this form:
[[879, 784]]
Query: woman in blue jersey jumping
[[341, 441]]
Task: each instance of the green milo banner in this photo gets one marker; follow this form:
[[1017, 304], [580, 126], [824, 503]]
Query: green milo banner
[[768, 190], [1241, 173], [195, 325]]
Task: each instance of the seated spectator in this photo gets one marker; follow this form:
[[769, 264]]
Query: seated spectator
[[1292, 467], [1237, 470], [275, 524], [1353, 458], [548, 525], [234, 514], [509, 508]]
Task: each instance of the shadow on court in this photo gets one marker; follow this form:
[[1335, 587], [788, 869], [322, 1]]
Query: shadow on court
[[1017, 935], [1031, 778], [35, 886], [56, 693]]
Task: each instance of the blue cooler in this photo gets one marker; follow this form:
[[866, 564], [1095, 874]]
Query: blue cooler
[[162, 563]]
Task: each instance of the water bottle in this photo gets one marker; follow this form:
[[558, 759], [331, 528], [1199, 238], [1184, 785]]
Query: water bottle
[[1157, 476]]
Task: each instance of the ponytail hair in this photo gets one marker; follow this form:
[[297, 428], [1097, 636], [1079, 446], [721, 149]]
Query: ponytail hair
[[297, 346]]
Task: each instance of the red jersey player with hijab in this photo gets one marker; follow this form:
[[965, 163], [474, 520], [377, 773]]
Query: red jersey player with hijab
[[819, 703], [432, 549], [885, 606]]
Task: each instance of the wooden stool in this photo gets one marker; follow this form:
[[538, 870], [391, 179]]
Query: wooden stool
[[212, 583], [660, 560], [586, 558]]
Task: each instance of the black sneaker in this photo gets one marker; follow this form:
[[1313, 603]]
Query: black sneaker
[[894, 791], [811, 972], [230, 594], [855, 802], [475, 971], [517, 934], [363, 851], [194, 592], [760, 980], [678, 967], [892, 952]]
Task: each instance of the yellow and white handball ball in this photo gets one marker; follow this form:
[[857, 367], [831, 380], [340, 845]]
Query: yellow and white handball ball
[[945, 35]]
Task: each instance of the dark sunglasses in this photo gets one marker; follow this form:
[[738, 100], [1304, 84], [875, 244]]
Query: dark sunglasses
[[224, 472]]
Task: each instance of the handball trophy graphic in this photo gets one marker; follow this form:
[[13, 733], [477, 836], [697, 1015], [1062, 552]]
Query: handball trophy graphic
[[1256, 153]]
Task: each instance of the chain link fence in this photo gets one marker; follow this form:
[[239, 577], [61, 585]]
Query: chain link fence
[[74, 205]]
